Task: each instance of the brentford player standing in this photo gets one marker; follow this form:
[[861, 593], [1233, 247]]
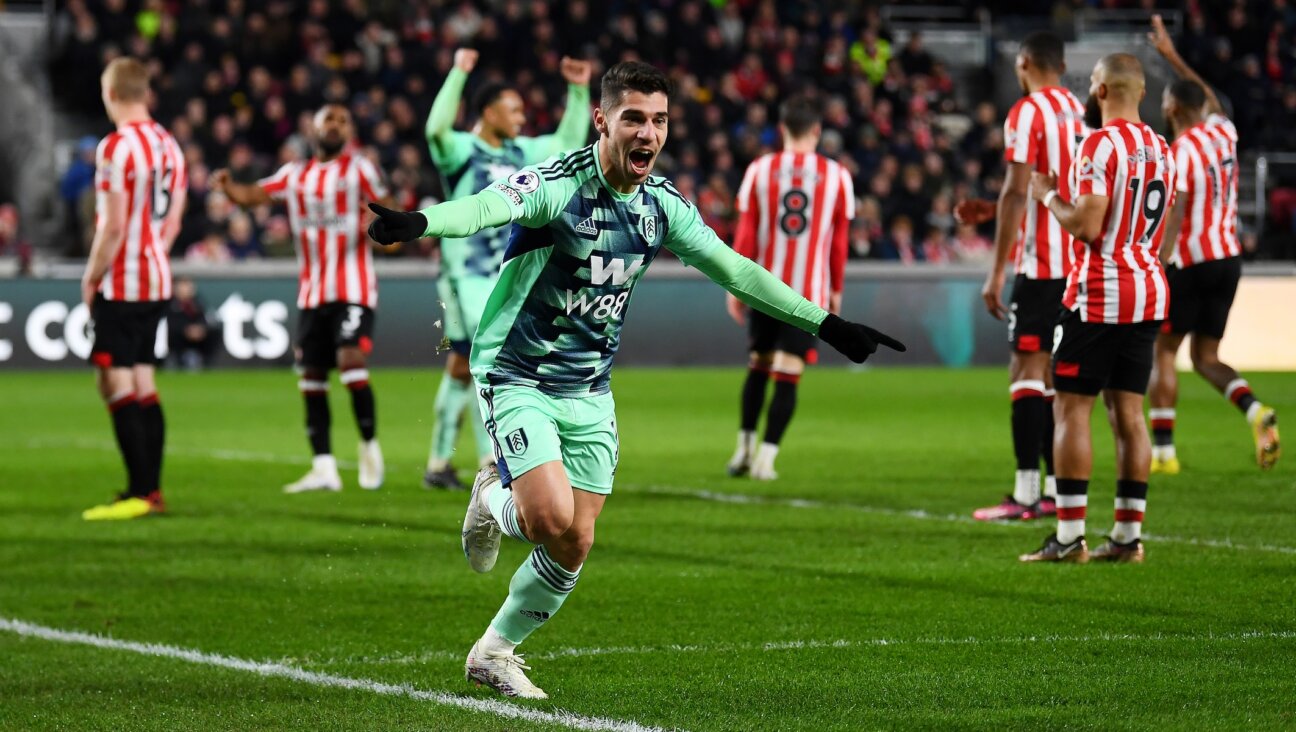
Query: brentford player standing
[[1041, 134], [795, 211], [338, 291], [1201, 245], [140, 189], [1116, 297]]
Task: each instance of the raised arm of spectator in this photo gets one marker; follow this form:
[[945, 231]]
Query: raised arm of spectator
[[247, 194], [1162, 42], [573, 128]]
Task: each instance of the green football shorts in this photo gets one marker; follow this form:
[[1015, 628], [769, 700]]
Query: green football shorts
[[530, 428], [464, 301]]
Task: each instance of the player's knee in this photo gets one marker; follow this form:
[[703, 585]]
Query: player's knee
[[547, 524], [574, 546], [761, 360], [350, 358]]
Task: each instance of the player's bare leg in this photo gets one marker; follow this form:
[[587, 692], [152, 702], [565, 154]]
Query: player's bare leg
[[786, 370], [541, 507], [1263, 420], [1163, 395], [752, 404], [353, 365], [1073, 455], [1031, 381], [454, 397], [1133, 458], [323, 474], [116, 385]]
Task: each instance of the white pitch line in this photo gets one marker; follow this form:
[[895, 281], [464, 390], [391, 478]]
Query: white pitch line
[[791, 645], [755, 500], [292, 673], [713, 496]]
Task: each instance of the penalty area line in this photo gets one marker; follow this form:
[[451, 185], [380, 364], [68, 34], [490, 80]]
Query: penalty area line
[[299, 675]]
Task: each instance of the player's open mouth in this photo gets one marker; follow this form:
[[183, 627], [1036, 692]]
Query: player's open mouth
[[641, 161]]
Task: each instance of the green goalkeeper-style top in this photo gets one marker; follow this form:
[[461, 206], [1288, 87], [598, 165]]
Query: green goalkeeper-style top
[[576, 250], [467, 164]]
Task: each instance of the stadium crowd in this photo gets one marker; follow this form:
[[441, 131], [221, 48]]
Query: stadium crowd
[[237, 80]]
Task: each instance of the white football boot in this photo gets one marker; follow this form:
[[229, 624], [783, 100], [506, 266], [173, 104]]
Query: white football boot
[[762, 467], [371, 465], [481, 533], [741, 461], [323, 476], [501, 670]]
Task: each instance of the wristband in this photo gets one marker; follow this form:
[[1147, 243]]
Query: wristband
[[1048, 198]]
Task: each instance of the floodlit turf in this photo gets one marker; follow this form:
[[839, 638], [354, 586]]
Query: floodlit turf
[[854, 593]]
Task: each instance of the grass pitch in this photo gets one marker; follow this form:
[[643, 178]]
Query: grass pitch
[[854, 593]]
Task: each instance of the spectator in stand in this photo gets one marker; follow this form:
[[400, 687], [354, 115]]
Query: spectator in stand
[[210, 249], [899, 245], [191, 337], [243, 240], [11, 241], [75, 187], [970, 246], [238, 81]]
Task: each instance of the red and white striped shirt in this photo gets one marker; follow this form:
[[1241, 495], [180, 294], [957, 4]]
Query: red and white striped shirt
[[1044, 130], [325, 207], [1118, 277], [142, 161], [1206, 159], [794, 213]]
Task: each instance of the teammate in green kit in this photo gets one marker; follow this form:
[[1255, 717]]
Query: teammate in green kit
[[587, 224], [468, 162]]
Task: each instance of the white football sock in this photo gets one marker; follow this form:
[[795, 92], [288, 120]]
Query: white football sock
[[1026, 490]]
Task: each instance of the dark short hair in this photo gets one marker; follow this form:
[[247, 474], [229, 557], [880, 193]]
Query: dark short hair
[[630, 76], [1188, 93], [800, 113], [1045, 50], [488, 94]]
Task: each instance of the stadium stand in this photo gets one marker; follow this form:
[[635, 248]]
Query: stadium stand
[[236, 79]]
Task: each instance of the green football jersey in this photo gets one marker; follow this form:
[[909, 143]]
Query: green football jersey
[[467, 165], [577, 248]]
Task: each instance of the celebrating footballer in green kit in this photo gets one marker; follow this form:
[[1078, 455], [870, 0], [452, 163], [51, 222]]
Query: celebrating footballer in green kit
[[468, 162], [587, 224]]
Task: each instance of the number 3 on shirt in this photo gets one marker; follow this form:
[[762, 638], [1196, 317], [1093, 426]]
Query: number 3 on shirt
[[1154, 205], [352, 322]]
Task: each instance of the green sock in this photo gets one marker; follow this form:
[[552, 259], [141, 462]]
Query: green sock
[[452, 396], [537, 590]]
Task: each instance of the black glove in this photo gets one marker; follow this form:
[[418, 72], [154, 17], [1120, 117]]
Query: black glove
[[856, 341], [393, 226]]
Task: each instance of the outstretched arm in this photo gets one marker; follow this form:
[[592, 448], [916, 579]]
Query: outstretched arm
[[456, 219], [242, 194], [697, 245], [1161, 41]]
